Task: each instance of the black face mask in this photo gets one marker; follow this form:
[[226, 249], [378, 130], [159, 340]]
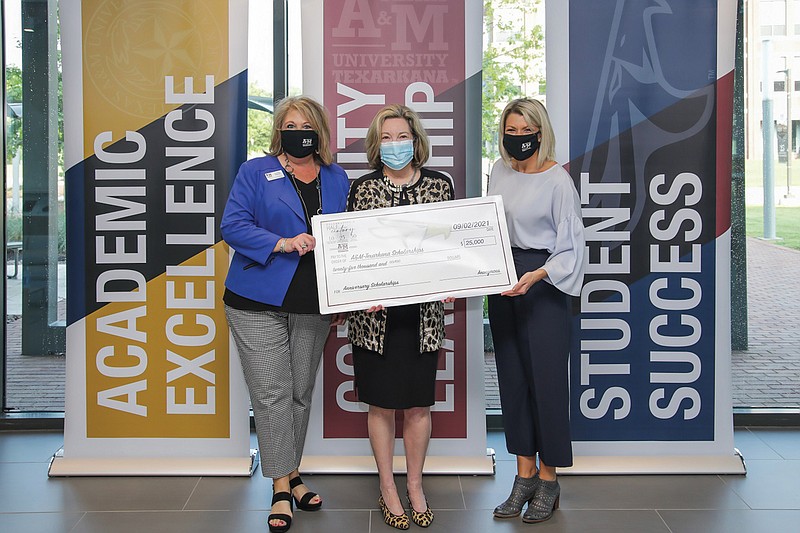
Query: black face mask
[[299, 143], [521, 147]]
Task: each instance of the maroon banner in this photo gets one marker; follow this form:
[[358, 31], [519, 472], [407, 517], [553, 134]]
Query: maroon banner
[[376, 53]]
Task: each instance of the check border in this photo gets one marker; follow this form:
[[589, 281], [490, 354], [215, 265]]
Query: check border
[[323, 252]]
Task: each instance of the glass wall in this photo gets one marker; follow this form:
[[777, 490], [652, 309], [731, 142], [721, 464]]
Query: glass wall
[[766, 358], [513, 66], [35, 242], [766, 363]]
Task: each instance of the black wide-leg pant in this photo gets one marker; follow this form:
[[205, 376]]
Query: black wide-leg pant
[[531, 336]]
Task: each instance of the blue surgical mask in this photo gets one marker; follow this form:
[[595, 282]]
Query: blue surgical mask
[[397, 154]]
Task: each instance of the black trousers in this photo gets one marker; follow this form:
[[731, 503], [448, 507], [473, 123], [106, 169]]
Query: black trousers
[[531, 336]]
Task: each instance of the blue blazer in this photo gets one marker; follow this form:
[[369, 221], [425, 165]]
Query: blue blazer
[[262, 208]]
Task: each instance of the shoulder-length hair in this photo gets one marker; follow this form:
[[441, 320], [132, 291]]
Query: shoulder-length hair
[[534, 114], [315, 114], [422, 146]]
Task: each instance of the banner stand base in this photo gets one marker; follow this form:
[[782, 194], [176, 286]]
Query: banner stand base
[[365, 464], [61, 466], [657, 464]]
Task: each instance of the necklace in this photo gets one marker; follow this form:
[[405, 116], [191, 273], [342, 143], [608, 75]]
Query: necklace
[[290, 170], [399, 188], [400, 192]]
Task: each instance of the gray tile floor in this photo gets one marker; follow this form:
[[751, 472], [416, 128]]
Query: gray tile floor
[[767, 499]]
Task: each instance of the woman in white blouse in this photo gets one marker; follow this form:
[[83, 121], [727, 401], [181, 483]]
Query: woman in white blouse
[[531, 323]]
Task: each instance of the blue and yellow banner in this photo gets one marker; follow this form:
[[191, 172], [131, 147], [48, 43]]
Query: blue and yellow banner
[[156, 94]]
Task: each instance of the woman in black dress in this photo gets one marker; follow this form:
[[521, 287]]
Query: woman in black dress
[[395, 350]]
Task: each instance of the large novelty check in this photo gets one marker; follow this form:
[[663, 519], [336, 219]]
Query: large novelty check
[[412, 254]]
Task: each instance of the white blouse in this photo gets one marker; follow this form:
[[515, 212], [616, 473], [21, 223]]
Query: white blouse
[[543, 212]]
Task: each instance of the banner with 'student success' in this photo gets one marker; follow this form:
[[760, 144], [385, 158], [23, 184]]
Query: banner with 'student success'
[[641, 96]]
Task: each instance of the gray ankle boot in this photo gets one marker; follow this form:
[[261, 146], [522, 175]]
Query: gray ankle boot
[[523, 491], [543, 503]]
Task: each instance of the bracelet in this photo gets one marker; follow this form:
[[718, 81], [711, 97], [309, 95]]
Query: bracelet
[[283, 244]]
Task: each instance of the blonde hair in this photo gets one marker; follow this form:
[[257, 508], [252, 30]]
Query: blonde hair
[[372, 141], [315, 114], [534, 114]]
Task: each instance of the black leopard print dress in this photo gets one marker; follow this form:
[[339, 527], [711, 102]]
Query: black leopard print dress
[[395, 351]]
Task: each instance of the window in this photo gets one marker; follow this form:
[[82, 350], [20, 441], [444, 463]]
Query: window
[[34, 175], [35, 217], [768, 310]]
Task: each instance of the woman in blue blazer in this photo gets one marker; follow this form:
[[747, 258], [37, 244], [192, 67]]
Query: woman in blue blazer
[[271, 297]]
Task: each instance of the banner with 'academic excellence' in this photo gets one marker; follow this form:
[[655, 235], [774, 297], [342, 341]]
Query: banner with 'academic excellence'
[[641, 95], [358, 56], [155, 125]]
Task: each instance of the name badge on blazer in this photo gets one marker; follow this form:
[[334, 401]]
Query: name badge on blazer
[[274, 175]]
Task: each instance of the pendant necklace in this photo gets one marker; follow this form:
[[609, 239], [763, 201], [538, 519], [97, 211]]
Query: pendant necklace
[[399, 192], [290, 169]]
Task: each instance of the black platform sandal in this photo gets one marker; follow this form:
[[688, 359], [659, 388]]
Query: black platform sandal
[[278, 497], [304, 502]]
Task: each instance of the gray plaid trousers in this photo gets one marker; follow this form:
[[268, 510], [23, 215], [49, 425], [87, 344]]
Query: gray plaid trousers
[[280, 354]]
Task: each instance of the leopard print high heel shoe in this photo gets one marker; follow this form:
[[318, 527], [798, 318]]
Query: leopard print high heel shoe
[[423, 519], [397, 521]]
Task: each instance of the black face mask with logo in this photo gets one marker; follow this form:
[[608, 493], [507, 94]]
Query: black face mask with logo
[[299, 143], [521, 147]]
